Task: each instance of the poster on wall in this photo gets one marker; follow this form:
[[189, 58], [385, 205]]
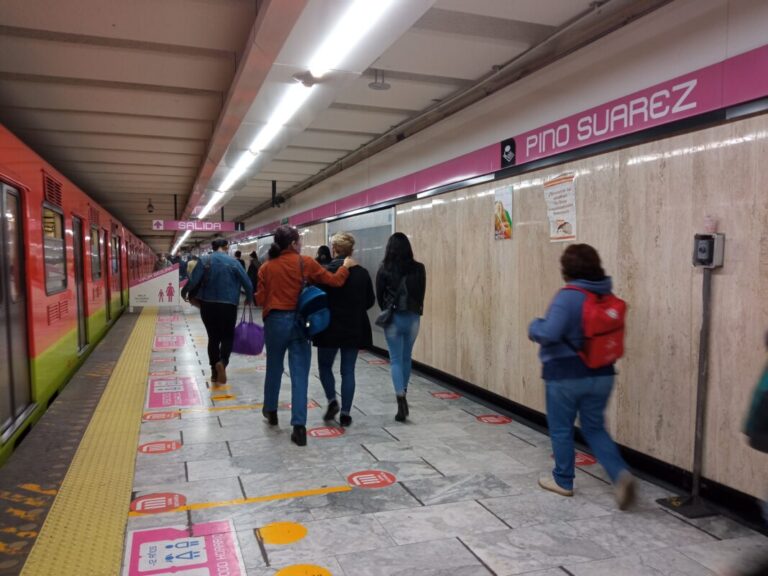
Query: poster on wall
[[560, 196], [502, 213], [158, 289]]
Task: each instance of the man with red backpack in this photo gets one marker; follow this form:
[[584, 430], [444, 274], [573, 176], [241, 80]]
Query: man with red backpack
[[581, 337]]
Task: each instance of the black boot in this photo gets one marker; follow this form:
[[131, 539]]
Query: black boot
[[402, 409], [213, 374], [345, 420], [333, 409], [405, 396], [299, 435], [270, 415]]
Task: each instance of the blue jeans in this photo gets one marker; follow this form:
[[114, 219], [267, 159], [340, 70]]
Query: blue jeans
[[281, 334], [325, 359], [401, 335], [588, 398]]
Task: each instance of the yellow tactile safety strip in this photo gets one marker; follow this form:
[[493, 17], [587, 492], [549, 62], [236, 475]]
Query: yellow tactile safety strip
[[85, 529]]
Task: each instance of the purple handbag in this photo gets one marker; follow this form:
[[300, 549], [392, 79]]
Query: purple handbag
[[249, 336]]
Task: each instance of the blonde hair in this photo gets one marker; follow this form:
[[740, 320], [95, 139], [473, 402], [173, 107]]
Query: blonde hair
[[343, 243], [191, 266]]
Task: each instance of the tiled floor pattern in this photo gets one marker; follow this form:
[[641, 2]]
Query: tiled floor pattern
[[465, 500]]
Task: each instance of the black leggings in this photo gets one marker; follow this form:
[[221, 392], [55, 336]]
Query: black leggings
[[219, 320]]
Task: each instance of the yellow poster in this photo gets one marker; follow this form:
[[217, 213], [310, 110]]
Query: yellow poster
[[502, 213]]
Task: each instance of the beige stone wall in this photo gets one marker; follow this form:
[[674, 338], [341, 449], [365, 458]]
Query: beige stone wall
[[640, 207], [312, 237]]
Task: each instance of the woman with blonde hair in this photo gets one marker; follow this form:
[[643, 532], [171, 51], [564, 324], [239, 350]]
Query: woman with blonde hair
[[349, 330]]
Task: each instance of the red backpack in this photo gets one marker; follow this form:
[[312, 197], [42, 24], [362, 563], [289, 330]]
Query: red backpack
[[602, 320]]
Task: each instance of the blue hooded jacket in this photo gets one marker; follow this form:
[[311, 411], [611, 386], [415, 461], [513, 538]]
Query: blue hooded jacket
[[225, 277], [560, 333]]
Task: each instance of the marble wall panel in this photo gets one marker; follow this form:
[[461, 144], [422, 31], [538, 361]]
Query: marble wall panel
[[312, 237], [640, 207]]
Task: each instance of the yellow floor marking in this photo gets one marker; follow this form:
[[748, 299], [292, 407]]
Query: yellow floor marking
[[85, 528], [12, 548], [282, 533], [38, 489], [220, 408], [22, 499], [19, 533], [303, 570], [224, 397], [222, 388], [25, 514], [240, 501]]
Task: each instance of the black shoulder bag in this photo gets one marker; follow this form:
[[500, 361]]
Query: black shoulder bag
[[386, 315]]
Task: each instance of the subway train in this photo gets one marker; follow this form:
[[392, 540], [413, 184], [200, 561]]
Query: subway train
[[65, 269]]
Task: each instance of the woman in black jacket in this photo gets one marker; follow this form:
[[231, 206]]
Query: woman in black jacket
[[348, 331], [400, 284]]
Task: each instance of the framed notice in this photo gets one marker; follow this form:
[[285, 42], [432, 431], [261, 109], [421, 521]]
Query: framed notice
[[502, 213], [560, 196]]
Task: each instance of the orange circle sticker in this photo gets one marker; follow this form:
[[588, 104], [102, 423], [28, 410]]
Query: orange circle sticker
[[155, 416], [160, 447], [371, 479], [325, 432], [282, 533], [158, 503], [494, 419], [303, 570]]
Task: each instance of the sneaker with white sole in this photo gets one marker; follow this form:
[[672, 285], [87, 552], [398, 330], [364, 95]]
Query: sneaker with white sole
[[548, 483], [624, 490]]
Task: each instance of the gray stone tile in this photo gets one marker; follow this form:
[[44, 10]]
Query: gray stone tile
[[534, 548], [542, 507], [457, 488], [187, 453], [404, 471], [439, 521], [491, 461], [630, 533], [667, 562], [264, 484], [156, 521], [730, 556], [360, 501], [435, 558], [149, 473], [257, 514], [232, 467], [199, 492]]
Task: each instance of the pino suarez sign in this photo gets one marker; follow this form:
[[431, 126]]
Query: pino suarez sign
[[197, 225]]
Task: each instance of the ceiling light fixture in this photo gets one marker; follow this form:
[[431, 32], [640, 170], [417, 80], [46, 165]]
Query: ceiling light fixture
[[211, 203], [240, 167], [378, 84], [180, 242], [150, 207]]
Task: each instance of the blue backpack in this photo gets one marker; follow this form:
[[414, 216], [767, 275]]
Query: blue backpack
[[312, 313]]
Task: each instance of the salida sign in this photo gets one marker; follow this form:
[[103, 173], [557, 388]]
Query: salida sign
[[196, 225]]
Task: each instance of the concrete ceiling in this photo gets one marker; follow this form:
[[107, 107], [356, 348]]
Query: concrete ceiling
[[151, 99]]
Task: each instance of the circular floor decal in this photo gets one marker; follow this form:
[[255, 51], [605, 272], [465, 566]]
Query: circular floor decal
[[371, 479], [155, 416], [158, 502], [494, 419], [325, 432], [446, 395], [584, 459], [159, 447], [303, 570], [282, 533]]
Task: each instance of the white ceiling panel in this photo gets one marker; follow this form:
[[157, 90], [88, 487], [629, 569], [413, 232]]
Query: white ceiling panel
[[111, 142], [283, 167], [58, 154], [443, 54], [310, 154], [336, 140], [103, 168], [403, 94], [549, 12], [357, 121]]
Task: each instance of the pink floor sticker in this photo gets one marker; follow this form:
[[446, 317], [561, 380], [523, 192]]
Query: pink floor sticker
[[173, 392], [168, 319], [210, 550], [371, 479], [160, 447], [446, 395], [494, 419], [158, 502], [156, 416], [168, 342], [325, 432]]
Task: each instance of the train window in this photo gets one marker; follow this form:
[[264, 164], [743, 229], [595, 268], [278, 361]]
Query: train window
[[95, 254], [54, 251], [115, 255]]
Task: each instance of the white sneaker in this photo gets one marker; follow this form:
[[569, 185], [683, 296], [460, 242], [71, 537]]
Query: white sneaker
[[548, 483], [624, 490]]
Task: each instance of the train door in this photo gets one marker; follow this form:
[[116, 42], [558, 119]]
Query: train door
[[117, 273], [15, 396], [107, 276], [82, 324]]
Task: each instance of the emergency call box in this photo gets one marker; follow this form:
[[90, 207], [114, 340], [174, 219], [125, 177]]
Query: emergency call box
[[708, 250]]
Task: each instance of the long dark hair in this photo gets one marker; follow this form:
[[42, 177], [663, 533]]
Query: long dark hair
[[323, 255], [581, 262], [398, 255], [284, 237]]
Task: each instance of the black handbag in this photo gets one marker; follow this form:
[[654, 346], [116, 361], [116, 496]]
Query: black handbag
[[192, 293], [386, 315]]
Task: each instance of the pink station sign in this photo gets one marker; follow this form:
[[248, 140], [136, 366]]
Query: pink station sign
[[194, 225], [208, 549]]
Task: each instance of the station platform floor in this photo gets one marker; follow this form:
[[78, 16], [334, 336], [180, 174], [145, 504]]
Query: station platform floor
[[177, 477]]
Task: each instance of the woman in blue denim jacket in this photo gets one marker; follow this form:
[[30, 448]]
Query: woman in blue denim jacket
[[222, 278], [572, 388]]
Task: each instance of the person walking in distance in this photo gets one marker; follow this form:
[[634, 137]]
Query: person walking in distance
[[281, 280], [239, 258], [222, 278], [253, 269], [349, 330], [401, 283], [572, 387]]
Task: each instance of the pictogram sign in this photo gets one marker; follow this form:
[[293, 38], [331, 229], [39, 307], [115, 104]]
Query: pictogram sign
[[168, 342], [158, 502], [159, 447], [494, 419], [325, 432], [371, 479], [155, 416]]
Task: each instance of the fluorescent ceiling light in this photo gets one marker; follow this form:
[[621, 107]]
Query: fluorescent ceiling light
[[296, 95], [211, 203], [353, 26], [180, 242], [240, 167]]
